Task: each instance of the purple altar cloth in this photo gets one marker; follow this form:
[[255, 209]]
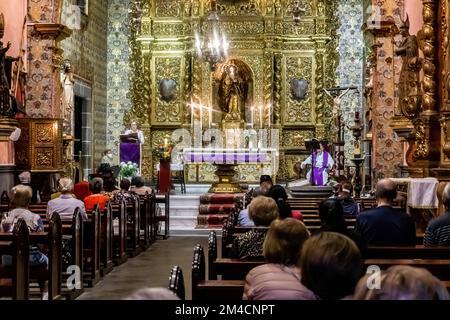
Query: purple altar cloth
[[222, 157], [130, 152]]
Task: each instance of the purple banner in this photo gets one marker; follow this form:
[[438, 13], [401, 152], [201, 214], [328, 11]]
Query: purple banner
[[130, 152]]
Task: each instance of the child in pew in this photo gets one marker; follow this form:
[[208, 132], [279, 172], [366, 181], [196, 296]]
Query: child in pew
[[279, 279], [403, 283], [331, 266], [262, 210], [20, 198]]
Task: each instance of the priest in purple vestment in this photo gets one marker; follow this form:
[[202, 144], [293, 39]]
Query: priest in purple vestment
[[321, 162]]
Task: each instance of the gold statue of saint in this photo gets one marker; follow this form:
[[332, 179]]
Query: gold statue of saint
[[231, 93]]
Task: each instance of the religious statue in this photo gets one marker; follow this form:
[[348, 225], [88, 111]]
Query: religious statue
[[231, 93], [410, 96], [6, 106], [368, 90], [68, 97]]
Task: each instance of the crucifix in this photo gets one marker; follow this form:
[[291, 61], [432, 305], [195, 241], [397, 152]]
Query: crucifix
[[337, 94]]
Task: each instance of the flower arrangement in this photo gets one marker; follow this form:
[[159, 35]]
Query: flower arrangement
[[164, 151], [128, 169]]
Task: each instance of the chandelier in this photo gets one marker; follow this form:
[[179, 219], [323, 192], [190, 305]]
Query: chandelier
[[213, 46]]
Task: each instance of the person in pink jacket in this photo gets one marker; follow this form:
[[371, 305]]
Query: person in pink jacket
[[279, 279]]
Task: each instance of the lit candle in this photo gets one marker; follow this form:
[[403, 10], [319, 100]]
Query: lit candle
[[251, 117], [166, 142], [209, 117], [260, 118]]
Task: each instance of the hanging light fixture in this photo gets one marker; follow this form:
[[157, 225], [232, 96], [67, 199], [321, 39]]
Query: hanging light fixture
[[213, 46]]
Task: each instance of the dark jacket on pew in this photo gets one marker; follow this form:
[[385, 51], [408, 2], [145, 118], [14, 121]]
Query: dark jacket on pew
[[386, 226], [438, 231]]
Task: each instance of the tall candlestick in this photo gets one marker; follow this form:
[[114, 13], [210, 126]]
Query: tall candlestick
[[201, 119], [251, 116], [269, 115], [192, 114], [209, 117], [260, 118]]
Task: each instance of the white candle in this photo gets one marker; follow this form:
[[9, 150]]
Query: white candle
[[260, 118], [251, 117], [269, 115], [166, 142], [210, 117]]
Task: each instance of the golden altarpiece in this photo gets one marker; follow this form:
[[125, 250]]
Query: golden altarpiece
[[262, 36]]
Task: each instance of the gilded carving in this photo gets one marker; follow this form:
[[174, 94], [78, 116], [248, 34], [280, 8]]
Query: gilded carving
[[305, 4], [168, 29], [239, 9], [268, 97], [422, 150], [428, 46], [299, 111], [168, 8], [278, 65], [187, 87], [44, 158], [168, 110], [44, 133], [296, 138], [243, 27]]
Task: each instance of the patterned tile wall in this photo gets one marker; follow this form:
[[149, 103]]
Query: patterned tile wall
[[86, 49], [350, 68], [118, 71]]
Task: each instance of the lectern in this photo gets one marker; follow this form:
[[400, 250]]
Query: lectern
[[130, 149]]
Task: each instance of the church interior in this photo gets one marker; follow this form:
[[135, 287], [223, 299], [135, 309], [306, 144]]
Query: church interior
[[222, 149]]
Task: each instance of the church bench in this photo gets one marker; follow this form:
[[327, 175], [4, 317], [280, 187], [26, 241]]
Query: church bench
[[50, 243], [120, 239], [212, 290], [176, 282], [91, 248], [163, 217], [14, 279], [145, 220], [410, 252], [439, 268], [73, 233], [106, 240], [132, 218]]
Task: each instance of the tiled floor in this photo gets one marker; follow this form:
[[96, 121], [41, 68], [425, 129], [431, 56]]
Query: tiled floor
[[149, 269]]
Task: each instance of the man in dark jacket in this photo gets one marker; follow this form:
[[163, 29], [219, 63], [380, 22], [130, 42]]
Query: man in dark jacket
[[384, 225], [438, 230]]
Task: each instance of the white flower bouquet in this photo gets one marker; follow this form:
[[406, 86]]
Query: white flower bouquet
[[128, 169]]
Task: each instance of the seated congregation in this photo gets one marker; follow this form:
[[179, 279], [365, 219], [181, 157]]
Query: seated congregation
[[92, 226]]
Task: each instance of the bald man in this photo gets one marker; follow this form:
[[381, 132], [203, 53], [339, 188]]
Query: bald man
[[384, 225]]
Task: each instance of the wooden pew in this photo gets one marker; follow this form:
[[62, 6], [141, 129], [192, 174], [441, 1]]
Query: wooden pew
[[74, 232], [416, 252], [212, 290], [120, 241], [132, 209], [163, 198], [53, 239], [91, 248], [176, 282], [144, 223], [106, 240], [18, 247]]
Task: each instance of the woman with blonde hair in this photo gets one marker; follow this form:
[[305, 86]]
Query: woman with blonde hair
[[402, 283], [262, 211], [279, 278]]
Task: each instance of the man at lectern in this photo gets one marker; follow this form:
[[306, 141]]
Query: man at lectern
[[134, 130], [321, 163]]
